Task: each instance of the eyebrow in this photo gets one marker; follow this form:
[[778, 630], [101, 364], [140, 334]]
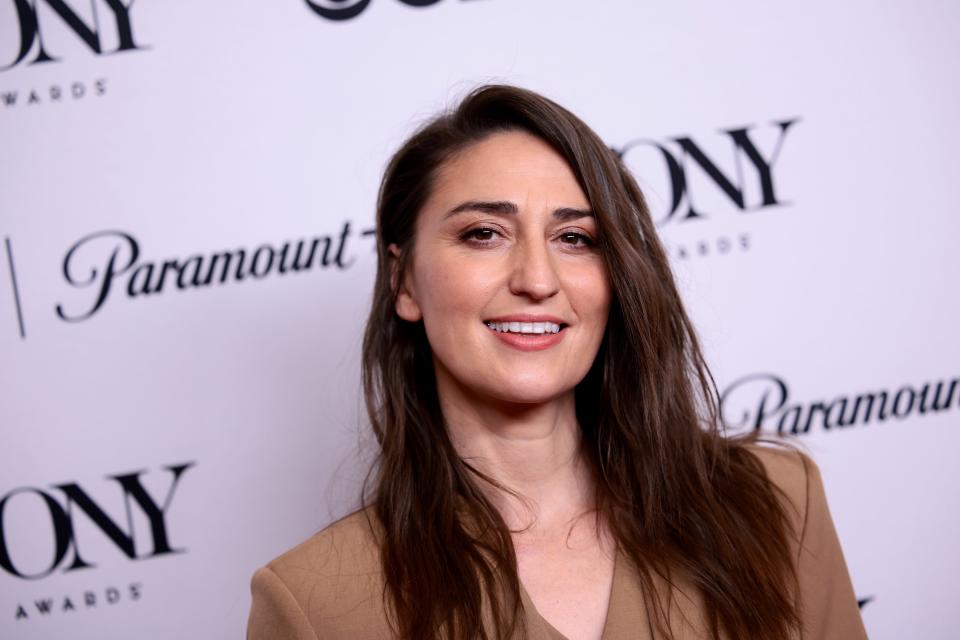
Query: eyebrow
[[506, 208]]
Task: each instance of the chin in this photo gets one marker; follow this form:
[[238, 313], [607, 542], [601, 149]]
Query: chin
[[518, 385], [528, 394]]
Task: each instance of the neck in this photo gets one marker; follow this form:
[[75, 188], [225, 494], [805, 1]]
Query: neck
[[532, 449]]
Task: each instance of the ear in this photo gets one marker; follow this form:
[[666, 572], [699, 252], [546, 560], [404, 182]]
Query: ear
[[406, 305]]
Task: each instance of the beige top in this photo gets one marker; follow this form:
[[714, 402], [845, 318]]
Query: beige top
[[330, 586]]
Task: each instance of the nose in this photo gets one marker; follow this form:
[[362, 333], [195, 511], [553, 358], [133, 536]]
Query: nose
[[533, 273]]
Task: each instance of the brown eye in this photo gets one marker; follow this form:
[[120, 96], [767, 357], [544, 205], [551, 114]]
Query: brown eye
[[576, 239], [479, 235]]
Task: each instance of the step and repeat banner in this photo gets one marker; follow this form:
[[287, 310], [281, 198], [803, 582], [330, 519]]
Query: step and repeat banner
[[186, 215]]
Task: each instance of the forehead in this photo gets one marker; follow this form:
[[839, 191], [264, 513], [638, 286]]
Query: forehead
[[511, 165]]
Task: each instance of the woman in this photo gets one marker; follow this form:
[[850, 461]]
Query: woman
[[550, 462]]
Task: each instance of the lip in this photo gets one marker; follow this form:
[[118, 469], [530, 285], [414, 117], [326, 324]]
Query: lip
[[534, 342], [529, 317]]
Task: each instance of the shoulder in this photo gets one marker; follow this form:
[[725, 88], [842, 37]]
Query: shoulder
[[826, 601], [799, 486], [344, 547], [791, 472], [331, 584], [786, 466]]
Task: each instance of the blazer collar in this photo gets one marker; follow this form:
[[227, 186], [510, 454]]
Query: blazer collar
[[626, 612]]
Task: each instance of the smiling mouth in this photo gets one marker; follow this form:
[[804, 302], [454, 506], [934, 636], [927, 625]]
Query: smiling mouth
[[525, 328]]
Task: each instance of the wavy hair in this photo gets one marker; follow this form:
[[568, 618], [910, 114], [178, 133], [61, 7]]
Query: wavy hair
[[677, 494]]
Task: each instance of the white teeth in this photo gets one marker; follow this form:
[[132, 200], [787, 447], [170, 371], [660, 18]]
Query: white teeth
[[530, 328]]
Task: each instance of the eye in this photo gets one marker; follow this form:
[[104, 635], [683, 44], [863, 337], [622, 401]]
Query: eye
[[576, 239], [479, 235]]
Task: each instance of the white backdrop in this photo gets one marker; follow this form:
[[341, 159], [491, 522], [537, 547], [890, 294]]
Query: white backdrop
[[227, 126]]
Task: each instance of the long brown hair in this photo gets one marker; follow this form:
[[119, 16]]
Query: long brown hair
[[676, 493]]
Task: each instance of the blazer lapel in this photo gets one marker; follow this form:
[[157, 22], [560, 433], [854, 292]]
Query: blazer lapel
[[537, 626], [684, 608], [627, 616]]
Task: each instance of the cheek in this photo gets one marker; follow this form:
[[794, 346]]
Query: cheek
[[453, 288], [589, 290]]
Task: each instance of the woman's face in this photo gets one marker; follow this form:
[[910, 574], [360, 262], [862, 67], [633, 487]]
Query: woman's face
[[503, 256]]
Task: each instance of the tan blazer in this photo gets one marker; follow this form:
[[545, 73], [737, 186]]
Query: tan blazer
[[330, 586]]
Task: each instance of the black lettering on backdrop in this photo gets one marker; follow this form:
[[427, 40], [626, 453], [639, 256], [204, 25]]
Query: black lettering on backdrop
[[124, 246], [62, 517], [59, 521], [119, 255], [30, 27], [691, 154], [76, 90], [762, 402], [88, 599], [340, 10]]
